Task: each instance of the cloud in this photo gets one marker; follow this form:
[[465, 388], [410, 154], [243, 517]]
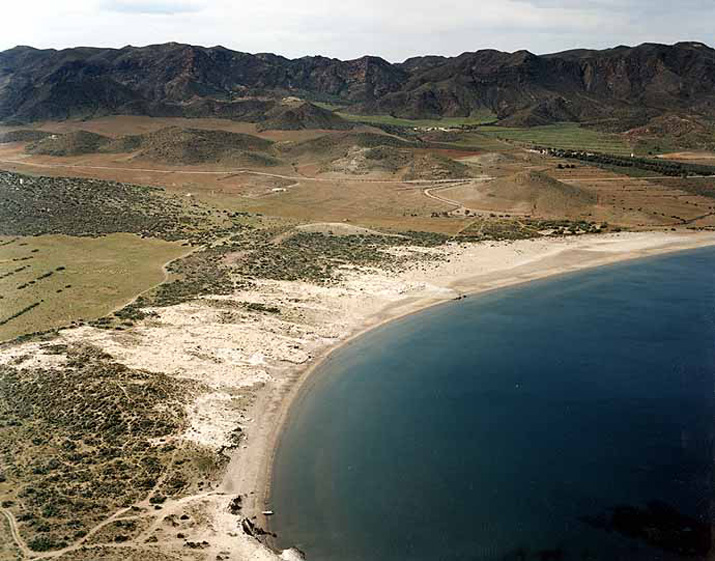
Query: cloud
[[393, 29], [148, 7]]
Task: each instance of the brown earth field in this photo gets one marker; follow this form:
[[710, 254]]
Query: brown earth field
[[300, 188], [120, 125], [646, 201], [695, 157]]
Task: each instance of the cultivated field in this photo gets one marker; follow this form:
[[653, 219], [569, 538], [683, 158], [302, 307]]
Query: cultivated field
[[564, 135], [691, 157], [471, 140], [542, 186], [479, 118], [644, 200]]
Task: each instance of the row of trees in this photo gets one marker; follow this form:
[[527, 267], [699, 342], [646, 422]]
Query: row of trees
[[662, 167]]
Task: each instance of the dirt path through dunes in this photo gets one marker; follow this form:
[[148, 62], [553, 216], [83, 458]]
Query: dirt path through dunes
[[296, 178], [22, 546], [169, 508], [82, 542]]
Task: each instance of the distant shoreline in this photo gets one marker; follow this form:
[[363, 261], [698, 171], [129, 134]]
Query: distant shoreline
[[273, 412]]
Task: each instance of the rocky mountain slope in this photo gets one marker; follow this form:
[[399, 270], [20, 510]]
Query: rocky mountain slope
[[631, 84]]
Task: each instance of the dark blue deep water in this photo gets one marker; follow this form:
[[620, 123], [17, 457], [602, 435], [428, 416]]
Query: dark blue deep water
[[565, 419]]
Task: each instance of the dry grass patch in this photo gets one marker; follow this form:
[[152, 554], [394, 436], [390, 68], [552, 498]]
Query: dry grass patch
[[69, 279]]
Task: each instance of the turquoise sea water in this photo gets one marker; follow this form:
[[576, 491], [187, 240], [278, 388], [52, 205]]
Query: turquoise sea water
[[564, 419]]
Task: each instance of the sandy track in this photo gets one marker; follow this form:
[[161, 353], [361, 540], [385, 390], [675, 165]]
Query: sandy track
[[430, 193], [22, 546]]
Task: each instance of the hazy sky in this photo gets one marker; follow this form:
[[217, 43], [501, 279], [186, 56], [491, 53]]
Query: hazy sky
[[393, 29]]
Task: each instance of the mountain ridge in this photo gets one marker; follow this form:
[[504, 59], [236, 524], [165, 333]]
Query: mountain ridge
[[521, 88]]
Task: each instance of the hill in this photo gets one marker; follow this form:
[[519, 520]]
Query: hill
[[23, 135], [175, 145], [361, 160], [171, 145], [71, 144], [435, 166], [293, 116], [528, 192], [633, 84], [89, 207], [680, 131], [337, 145], [363, 153]]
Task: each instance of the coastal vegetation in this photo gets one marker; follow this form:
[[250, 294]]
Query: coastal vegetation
[[506, 228], [82, 439], [34, 205], [317, 257]]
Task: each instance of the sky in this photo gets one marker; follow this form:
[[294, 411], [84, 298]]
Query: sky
[[392, 29]]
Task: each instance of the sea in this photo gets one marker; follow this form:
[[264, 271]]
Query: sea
[[564, 419]]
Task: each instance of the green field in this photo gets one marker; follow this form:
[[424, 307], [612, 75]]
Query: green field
[[477, 141], [569, 136], [476, 118], [59, 279], [329, 106]]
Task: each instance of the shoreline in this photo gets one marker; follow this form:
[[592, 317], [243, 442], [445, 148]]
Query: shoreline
[[256, 353], [547, 266]]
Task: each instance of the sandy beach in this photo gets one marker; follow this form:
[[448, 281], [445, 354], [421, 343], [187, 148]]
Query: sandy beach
[[253, 366], [469, 270]]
